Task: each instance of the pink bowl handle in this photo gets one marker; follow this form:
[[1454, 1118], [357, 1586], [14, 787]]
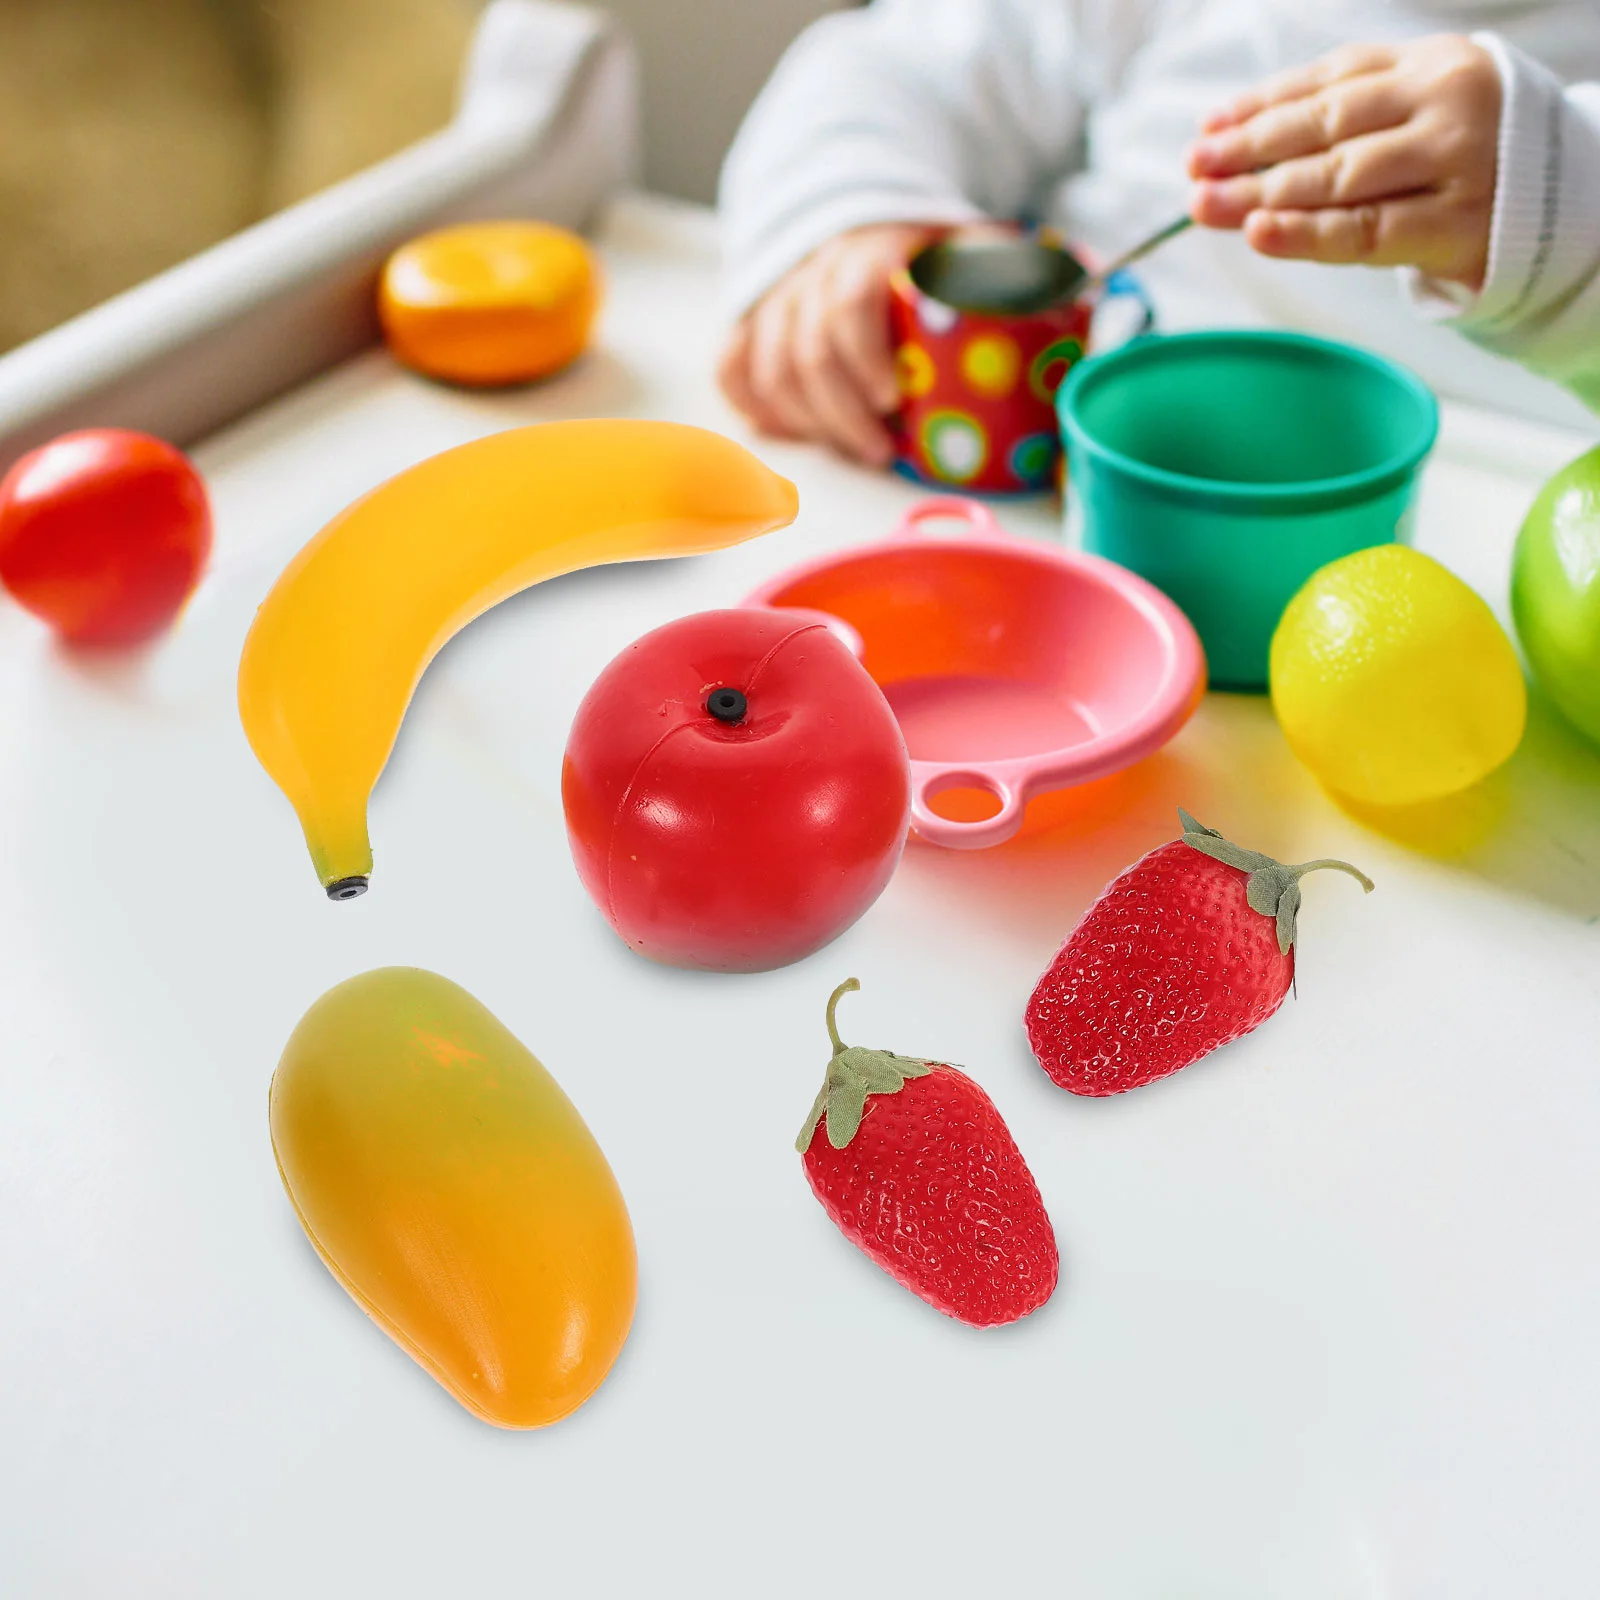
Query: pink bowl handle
[[948, 508], [928, 780]]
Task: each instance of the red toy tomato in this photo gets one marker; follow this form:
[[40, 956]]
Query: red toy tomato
[[104, 534], [737, 790]]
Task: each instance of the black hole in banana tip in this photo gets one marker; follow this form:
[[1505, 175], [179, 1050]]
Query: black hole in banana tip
[[347, 888], [727, 705]]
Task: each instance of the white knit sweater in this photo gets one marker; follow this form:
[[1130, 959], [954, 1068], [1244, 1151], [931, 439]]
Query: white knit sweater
[[1078, 112]]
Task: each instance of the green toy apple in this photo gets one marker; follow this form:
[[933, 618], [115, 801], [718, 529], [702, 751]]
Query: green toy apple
[[1555, 590]]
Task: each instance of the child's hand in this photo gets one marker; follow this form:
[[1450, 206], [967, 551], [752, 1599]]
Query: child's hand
[[811, 359], [1378, 154]]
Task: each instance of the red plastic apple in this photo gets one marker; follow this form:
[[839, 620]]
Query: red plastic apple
[[737, 790], [104, 534]]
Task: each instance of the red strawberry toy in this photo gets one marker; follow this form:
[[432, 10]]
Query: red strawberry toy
[[919, 1171], [1190, 948]]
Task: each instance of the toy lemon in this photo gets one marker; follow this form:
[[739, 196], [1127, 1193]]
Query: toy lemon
[[1392, 680], [489, 303]]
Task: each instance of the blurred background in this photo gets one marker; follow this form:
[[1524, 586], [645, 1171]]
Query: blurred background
[[135, 132]]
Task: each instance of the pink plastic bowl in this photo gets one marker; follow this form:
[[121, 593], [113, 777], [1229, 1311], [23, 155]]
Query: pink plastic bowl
[[1013, 666]]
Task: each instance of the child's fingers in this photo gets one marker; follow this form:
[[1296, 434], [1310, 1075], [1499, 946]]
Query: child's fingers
[[733, 377], [1377, 166], [831, 389], [861, 329], [773, 380], [1387, 234], [733, 371], [1349, 61], [1303, 127]]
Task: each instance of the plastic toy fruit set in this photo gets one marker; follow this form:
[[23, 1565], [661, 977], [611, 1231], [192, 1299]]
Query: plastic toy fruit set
[[737, 792], [738, 788]]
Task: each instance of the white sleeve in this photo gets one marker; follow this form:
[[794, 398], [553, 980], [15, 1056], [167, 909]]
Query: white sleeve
[[1540, 303], [937, 111]]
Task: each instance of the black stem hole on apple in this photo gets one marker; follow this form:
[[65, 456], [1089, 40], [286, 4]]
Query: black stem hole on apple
[[727, 705]]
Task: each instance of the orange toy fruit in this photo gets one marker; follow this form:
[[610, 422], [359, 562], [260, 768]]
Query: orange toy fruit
[[454, 1191], [489, 303]]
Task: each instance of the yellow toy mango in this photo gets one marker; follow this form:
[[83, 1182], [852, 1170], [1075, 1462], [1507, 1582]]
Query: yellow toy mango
[[338, 646], [454, 1191]]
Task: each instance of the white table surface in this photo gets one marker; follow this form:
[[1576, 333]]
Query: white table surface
[[1331, 1300]]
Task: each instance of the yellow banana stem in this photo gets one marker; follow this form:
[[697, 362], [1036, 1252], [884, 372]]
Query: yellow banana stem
[[338, 646]]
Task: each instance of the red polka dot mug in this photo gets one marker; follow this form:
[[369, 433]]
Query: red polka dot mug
[[981, 342]]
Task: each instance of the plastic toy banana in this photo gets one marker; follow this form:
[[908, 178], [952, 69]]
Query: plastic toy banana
[[339, 644]]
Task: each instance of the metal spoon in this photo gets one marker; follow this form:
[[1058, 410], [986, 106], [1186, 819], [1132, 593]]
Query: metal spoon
[[1020, 275]]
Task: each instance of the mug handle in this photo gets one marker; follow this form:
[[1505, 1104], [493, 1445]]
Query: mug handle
[[928, 780], [1125, 285], [947, 508]]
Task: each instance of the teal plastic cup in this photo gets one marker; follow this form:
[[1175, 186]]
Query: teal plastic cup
[[1228, 467]]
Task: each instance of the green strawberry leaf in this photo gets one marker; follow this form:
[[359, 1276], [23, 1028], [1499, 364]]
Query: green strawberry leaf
[[1271, 888], [853, 1074], [1288, 910], [1211, 843]]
